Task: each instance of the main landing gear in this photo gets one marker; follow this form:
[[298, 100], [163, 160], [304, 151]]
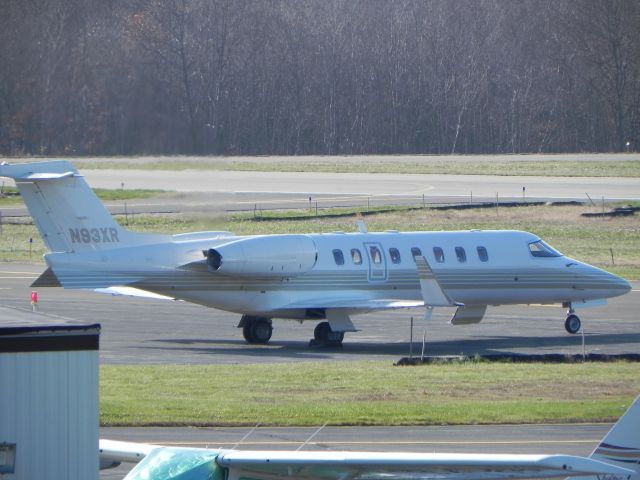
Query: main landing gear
[[572, 324], [324, 336], [256, 329]]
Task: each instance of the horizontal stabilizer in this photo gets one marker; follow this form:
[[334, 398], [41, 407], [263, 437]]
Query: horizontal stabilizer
[[43, 177], [37, 171], [47, 279], [468, 315], [432, 292]]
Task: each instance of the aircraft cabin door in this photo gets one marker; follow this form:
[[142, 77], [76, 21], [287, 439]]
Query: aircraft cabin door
[[377, 262]]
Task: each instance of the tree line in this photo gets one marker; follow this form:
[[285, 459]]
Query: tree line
[[292, 77]]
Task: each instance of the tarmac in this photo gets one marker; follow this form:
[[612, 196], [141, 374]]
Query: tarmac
[[146, 331]]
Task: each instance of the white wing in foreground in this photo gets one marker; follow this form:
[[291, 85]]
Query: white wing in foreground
[[408, 466], [113, 452], [258, 465]]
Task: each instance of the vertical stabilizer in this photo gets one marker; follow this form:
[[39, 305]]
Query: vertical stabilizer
[[67, 212], [621, 446]]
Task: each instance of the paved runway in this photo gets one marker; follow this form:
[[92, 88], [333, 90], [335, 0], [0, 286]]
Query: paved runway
[[136, 330], [542, 439], [307, 184], [216, 191]]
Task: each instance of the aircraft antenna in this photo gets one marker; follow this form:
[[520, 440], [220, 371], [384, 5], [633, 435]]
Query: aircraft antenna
[[362, 227], [311, 436], [246, 436]]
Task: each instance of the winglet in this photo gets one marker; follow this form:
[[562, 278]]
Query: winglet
[[432, 292]]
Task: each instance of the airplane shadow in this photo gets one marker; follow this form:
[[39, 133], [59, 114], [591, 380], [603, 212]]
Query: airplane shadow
[[469, 347]]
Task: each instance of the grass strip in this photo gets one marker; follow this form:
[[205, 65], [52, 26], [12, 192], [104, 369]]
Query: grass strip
[[365, 393], [10, 196]]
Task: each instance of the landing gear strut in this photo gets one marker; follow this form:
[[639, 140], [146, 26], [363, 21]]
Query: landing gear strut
[[572, 324], [323, 335], [256, 329]]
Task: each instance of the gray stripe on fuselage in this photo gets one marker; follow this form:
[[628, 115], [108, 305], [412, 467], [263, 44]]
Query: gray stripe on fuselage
[[452, 279]]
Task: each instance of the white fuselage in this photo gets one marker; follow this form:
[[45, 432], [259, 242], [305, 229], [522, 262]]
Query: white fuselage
[[298, 276]]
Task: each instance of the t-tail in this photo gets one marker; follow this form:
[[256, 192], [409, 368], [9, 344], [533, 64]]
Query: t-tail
[[621, 446], [68, 214]]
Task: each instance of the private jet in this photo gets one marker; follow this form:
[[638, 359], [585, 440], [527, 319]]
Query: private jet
[[325, 278]]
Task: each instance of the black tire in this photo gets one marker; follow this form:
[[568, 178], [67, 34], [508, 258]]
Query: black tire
[[261, 330], [572, 324], [323, 334], [246, 332]]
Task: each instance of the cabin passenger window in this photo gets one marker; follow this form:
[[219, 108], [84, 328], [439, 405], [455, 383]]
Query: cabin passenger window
[[338, 257], [356, 257], [541, 249], [438, 254], [482, 254], [415, 252], [461, 255], [394, 253], [376, 255]]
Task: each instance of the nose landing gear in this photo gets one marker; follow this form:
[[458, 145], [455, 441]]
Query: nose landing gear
[[572, 324]]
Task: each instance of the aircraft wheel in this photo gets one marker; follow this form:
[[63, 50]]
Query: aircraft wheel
[[572, 324], [323, 334], [321, 331], [261, 330]]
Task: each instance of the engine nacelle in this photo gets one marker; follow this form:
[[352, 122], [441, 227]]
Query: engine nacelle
[[268, 256]]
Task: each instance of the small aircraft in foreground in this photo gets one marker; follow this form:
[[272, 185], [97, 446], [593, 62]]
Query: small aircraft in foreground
[[617, 457], [324, 278]]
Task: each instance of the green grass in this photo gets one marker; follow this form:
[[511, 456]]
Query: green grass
[[547, 168], [10, 197], [127, 194], [366, 393], [586, 239]]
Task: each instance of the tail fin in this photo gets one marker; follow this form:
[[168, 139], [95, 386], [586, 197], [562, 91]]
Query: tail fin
[[621, 446], [68, 214]]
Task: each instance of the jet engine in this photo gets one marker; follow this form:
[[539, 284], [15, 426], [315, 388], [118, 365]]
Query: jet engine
[[268, 256]]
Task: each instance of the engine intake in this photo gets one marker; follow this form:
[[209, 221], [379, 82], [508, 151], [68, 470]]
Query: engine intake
[[267, 256]]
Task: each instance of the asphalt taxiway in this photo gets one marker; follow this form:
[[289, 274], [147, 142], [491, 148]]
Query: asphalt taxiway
[[146, 331]]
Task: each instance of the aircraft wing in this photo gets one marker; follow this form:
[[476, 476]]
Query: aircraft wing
[[404, 466], [356, 303], [113, 453], [131, 292], [266, 465]]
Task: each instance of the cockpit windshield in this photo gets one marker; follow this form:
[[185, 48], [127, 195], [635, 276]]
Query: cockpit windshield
[[541, 249]]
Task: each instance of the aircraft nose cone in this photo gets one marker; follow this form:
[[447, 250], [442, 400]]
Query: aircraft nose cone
[[619, 284], [625, 285], [606, 283]]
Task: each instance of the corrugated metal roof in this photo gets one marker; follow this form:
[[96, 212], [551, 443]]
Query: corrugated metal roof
[[49, 338]]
